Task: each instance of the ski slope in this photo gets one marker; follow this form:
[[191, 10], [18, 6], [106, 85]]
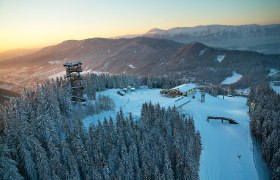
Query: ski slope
[[222, 143], [233, 79]]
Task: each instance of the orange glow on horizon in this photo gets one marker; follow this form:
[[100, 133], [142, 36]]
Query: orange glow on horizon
[[38, 23]]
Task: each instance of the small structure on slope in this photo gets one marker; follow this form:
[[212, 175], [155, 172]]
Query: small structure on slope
[[121, 92], [125, 90], [128, 89], [231, 121], [73, 70]]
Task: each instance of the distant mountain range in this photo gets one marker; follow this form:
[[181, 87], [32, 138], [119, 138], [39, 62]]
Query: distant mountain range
[[140, 56], [260, 38]]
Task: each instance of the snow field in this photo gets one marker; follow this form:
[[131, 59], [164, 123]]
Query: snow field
[[202, 52], [131, 66], [223, 142], [273, 71], [220, 58], [55, 62], [275, 88], [233, 79], [130, 103], [7, 87]]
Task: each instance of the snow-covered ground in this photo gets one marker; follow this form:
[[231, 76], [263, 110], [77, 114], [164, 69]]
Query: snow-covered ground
[[233, 79], [202, 52], [275, 88], [222, 143], [273, 71], [220, 58], [131, 102], [131, 66], [7, 87], [55, 62]]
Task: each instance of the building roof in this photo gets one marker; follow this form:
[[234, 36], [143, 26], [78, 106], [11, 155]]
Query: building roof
[[72, 63], [184, 87]]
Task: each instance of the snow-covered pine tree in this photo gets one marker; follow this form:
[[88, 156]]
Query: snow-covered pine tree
[[8, 166]]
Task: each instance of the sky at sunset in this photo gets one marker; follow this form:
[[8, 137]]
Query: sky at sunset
[[38, 23]]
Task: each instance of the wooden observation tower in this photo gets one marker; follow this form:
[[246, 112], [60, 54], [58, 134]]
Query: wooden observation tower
[[73, 70]]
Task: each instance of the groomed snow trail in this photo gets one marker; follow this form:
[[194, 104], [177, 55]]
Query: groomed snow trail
[[222, 143], [232, 79]]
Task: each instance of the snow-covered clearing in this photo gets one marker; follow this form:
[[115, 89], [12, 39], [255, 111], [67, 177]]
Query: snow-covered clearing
[[7, 87], [275, 88], [233, 79], [273, 72], [55, 62], [222, 143], [131, 66], [202, 52], [220, 58], [131, 102]]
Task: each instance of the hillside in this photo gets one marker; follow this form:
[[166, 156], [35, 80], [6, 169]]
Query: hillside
[[6, 95], [141, 56]]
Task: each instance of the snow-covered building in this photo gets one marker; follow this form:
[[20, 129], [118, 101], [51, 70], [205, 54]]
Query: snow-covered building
[[121, 92], [182, 90], [128, 89], [185, 89]]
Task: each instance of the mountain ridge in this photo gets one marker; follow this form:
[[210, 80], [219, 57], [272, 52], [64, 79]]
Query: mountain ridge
[[247, 37], [140, 56]]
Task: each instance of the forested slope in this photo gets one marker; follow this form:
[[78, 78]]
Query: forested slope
[[265, 125], [44, 138]]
